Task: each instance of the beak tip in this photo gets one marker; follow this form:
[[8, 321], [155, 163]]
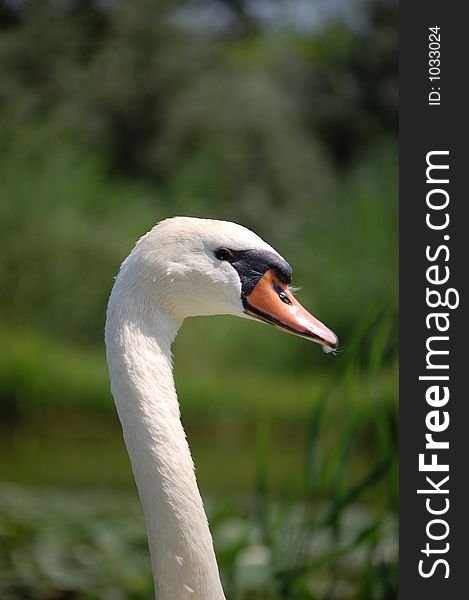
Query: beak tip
[[331, 342]]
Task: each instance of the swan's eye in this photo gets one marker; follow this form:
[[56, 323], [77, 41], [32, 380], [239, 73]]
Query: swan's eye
[[223, 254]]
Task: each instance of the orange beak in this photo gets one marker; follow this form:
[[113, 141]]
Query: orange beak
[[272, 302]]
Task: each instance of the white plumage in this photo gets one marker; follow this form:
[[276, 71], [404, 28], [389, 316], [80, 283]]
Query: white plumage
[[172, 273]]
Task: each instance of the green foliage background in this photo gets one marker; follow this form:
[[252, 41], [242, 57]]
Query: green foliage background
[[115, 115]]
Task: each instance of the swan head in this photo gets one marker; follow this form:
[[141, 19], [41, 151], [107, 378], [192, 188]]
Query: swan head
[[188, 267]]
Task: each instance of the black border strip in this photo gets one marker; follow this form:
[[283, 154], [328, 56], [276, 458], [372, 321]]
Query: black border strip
[[425, 128]]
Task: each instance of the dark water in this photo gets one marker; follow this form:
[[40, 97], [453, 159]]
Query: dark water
[[230, 457]]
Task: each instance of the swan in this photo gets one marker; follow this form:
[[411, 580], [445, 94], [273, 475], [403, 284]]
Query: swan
[[184, 267]]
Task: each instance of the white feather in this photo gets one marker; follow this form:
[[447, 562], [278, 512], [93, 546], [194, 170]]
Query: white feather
[[171, 274]]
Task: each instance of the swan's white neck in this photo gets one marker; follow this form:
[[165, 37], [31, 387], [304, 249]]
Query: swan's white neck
[[138, 346]]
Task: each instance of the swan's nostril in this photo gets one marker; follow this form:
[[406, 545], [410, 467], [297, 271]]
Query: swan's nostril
[[281, 294]]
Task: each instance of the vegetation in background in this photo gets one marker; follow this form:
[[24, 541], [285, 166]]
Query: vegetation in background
[[114, 115]]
